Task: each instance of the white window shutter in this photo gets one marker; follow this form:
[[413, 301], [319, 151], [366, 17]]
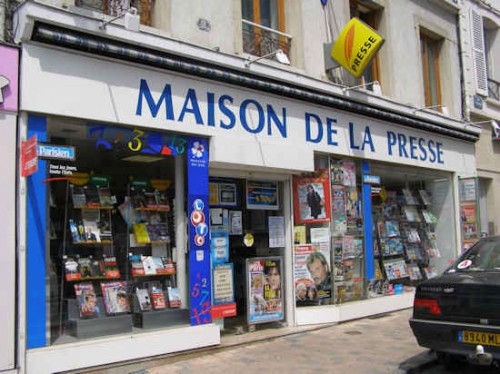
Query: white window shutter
[[478, 51]]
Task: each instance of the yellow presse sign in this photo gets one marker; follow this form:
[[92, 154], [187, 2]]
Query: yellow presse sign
[[356, 46]]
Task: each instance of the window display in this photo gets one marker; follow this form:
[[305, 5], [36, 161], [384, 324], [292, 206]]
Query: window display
[[411, 211], [111, 254]]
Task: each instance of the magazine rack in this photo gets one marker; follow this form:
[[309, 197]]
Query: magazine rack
[[98, 326], [153, 319]]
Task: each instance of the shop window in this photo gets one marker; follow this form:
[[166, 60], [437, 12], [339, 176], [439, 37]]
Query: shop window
[[115, 7], [329, 235], [430, 49], [111, 264], [369, 13], [411, 211], [264, 27]]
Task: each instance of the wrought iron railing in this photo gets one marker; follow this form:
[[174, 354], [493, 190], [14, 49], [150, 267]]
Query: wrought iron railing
[[118, 7], [493, 89], [260, 40]]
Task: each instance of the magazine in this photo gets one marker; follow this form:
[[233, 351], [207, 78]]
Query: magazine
[[91, 231], [409, 198], [104, 226], [174, 297], [85, 267], [141, 233], [136, 265], [75, 232], [414, 272], [411, 214], [78, 196], [71, 269], [392, 228], [300, 235], [87, 300], [395, 269], [168, 265], [158, 298], [338, 199], [115, 297], [105, 199], [97, 267], [91, 195], [149, 265], [111, 267], [143, 299], [413, 236]]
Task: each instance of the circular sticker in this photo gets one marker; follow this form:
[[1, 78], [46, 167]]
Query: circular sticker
[[199, 240], [197, 217], [198, 204], [464, 264], [248, 240], [202, 229]]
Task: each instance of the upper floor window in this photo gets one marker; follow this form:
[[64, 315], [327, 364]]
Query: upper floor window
[[369, 13], [430, 48], [264, 27], [118, 7]]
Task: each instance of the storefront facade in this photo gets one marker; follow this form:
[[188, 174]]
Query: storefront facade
[[199, 129]]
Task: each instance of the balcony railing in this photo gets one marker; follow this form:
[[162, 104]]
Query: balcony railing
[[260, 40], [118, 7], [493, 89]]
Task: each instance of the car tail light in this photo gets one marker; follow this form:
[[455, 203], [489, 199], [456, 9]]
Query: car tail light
[[430, 304]]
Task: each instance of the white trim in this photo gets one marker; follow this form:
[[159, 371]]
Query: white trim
[[96, 352], [8, 225], [353, 310]]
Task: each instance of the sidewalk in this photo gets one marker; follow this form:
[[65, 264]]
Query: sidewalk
[[371, 345]]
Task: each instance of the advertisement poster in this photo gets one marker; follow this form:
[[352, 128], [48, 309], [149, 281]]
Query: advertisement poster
[[467, 188], [262, 195], [311, 197], [227, 194], [312, 274], [235, 222], [276, 232], [223, 284], [219, 244], [264, 287]]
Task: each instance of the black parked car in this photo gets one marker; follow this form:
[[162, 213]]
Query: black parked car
[[458, 313]]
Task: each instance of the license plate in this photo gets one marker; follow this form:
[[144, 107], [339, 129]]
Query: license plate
[[475, 337]]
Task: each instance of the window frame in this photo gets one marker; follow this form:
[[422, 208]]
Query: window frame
[[429, 43]]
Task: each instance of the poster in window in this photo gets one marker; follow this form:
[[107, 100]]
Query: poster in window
[[312, 275], [264, 289], [311, 199], [262, 195], [219, 244], [213, 193], [227, 194], [223, 284]]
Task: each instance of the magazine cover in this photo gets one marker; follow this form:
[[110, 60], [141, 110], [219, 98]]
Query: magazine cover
[[395, 269], [392, 228], [338, 199], [149, 265], [158, 298], [104, 226], [87, 300], [111, 268], [141, 233], [104, 194], [349, 173], [97, 267], [85, 267], [411, 214], [92, 195], [78, 196], [143, 299], [136, 266], [174, 297], [71, 269], [312, 268], [76, 237], [300, 234], [264, 290], [414, 272], [168, 265], [115, 297], [311, 199]]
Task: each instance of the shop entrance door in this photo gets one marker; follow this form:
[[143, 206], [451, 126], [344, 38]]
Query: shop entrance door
[[249, 214]]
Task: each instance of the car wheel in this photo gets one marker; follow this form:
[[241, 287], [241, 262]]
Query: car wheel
[[449, 361]]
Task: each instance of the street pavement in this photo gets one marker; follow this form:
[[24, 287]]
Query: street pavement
[[380, 344]]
